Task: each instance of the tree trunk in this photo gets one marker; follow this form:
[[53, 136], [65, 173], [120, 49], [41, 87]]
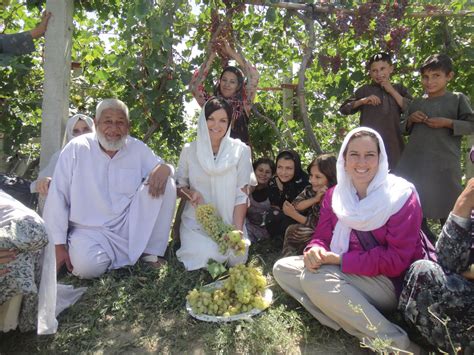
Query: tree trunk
[[57, 74]]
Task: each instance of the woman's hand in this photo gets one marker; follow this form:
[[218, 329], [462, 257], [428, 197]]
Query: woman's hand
[[469, 273], [195, 198], [42, 185], [331, 258], [465, 202], [313, 258]]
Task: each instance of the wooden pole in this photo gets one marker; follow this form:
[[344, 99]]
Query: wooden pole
[[57, 73]]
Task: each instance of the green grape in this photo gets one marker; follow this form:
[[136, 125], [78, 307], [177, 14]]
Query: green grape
[[223, 234], [241, 292]]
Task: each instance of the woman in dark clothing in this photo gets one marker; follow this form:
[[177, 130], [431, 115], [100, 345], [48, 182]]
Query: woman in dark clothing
[[288, 182]]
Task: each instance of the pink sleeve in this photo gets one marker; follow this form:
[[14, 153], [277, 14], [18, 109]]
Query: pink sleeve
[[323, 232], [400, 245]]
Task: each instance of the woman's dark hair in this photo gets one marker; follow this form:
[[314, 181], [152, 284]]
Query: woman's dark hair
[[361, 134], [326, 164], [267, 161], [240, 79], [379, 57], [437, 62], [217, 103]]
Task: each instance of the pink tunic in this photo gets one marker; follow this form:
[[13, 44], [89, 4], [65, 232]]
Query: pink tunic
[[399, 240]]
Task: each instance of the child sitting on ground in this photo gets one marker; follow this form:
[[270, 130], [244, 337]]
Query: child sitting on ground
[[305, 207], [436, 123], [380, 104]]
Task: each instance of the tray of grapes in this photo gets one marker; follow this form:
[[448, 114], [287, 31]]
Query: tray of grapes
[[241, 296]]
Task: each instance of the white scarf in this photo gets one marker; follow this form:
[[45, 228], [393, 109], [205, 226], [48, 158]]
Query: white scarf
[[71, 122], [221, 168], [386, 195]]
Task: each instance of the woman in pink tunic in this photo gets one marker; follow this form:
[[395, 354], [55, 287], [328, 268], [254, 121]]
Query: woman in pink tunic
[[366, 238]]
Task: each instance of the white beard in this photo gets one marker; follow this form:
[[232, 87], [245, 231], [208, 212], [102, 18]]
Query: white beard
[[108, 145]]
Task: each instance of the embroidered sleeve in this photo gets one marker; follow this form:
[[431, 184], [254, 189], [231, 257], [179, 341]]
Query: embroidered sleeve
[[454, 246]]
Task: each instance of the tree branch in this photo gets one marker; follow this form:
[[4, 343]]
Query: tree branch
[[273, 125], [300, 90], [332, 9]]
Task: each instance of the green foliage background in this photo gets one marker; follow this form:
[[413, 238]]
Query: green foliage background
[[144, 52]]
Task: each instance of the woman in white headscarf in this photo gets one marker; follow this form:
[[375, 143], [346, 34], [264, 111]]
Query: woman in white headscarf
[[367, 236], [213, 169], [76, 125]]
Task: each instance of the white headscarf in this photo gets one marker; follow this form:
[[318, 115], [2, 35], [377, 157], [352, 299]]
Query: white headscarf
[[220, 168], [72, 122], [386, 195]]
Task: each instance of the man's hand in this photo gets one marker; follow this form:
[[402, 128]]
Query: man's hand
[[157, 180], [417, 117], [313, 258], [39, 30], [42, 185], [372, 100], [439, 122], [387, 85], [62, 257]]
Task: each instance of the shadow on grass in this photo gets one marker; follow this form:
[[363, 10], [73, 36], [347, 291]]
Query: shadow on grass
[[138, 309]]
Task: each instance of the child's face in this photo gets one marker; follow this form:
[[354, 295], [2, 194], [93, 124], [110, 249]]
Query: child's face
[[435, 81], [380, 71], [263, 172], [285, 169], [317, 179]]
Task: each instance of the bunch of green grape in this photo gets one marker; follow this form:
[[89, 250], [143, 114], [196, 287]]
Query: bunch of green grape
[[223, 234], [242, 291]]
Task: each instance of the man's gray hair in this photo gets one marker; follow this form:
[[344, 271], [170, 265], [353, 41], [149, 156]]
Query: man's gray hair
[[115, 104]]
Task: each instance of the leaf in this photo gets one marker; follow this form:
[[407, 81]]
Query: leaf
[[215, 269], [271, 14]]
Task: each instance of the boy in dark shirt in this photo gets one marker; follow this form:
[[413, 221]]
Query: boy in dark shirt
[[380, 104]]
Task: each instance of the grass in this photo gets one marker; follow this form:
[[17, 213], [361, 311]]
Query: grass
[[137, 309]]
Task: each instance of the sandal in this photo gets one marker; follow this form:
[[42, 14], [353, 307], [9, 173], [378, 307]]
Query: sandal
[[154, 261]]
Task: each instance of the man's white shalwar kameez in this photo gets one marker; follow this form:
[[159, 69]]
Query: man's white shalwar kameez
[[101, 207]]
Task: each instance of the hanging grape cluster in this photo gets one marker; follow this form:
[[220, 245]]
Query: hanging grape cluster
[[363, 15], [397, 9], [396, 37], [382, 26], [343, 21], [330, 63], [362, 25], [242, 291], [223, 234], [224, 35]]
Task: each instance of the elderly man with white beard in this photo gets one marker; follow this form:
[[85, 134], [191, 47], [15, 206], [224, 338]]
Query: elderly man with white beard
[[111, 200]]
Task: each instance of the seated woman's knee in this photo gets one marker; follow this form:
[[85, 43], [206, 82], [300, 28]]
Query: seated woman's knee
[[423, 267], [315, 279]]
